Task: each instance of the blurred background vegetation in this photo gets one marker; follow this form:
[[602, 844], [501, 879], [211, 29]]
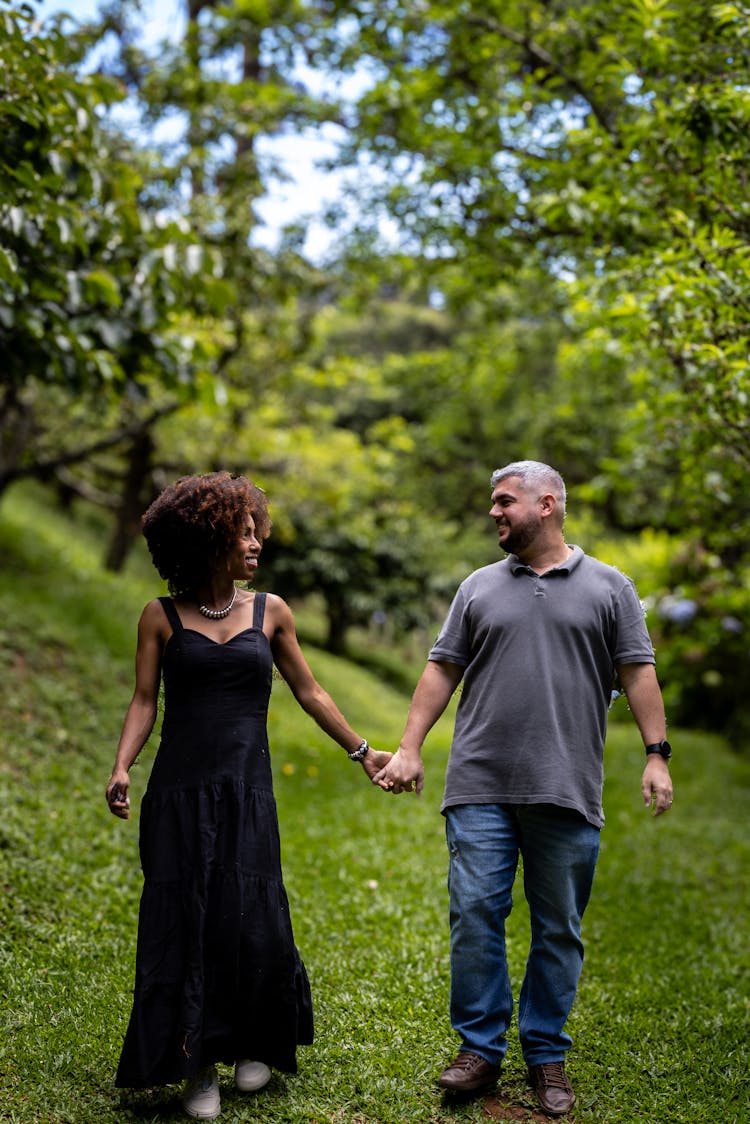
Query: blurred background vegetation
[[539, 249]]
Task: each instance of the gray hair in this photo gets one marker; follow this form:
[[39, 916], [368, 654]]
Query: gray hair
[[534, 474]]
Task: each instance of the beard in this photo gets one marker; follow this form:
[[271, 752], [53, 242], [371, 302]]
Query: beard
[[522, 535]]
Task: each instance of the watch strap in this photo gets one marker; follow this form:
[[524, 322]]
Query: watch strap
[[663, 748]]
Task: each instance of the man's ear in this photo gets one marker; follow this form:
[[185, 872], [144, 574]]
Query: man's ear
[[548, 504]]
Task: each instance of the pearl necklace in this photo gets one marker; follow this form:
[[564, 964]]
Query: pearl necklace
[[218, 614]]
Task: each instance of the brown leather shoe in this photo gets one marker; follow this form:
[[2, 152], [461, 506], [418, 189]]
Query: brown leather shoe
[[468, 1073], [553, 1090]]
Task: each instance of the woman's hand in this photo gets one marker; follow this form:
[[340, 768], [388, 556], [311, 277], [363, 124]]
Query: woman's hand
[[374, 761], [117, 795]]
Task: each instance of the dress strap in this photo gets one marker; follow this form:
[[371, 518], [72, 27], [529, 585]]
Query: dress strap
[[173, 616], [259, 609]]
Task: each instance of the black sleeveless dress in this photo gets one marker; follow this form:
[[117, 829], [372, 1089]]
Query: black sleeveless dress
[[218, 976]]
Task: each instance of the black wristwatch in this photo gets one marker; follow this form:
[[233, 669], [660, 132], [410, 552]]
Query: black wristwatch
[[664, 749]]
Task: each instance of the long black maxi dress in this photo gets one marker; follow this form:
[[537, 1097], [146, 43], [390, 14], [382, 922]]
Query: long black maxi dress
[[218, 976]]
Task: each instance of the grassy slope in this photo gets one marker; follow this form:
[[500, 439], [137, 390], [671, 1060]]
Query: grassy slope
[[661, 1022]]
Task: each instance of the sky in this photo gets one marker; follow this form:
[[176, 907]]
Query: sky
[[309, 188]]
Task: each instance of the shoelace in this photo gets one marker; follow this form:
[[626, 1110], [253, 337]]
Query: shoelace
[[468, 1061], [553, 1075]]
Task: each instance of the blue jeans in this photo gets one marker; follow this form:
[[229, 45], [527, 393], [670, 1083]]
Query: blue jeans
[[559, 850]]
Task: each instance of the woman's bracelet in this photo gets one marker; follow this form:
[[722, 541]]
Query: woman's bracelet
[[360, 751]]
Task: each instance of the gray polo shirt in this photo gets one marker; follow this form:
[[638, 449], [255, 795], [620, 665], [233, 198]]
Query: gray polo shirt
[[539, 655]]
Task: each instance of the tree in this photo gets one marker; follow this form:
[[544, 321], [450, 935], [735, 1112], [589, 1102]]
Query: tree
[[93, 279], [601, 147], [122, 295]]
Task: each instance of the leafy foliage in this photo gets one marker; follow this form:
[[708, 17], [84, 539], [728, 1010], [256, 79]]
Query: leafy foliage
[[546, 256], [601, 150], [604, 147], [92, 281]]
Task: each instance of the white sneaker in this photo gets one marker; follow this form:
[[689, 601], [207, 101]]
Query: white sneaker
[[200, 1098], [250, 1076]]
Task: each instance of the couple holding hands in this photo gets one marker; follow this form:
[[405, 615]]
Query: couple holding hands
[[536, 640]]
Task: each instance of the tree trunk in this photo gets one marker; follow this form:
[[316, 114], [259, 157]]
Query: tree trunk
[[338, 624], [16, 432], [136, 495]]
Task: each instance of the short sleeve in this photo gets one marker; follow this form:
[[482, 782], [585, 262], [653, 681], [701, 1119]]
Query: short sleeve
[[452, 644], [633, 643]]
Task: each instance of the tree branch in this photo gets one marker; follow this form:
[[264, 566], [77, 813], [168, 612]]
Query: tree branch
[[539, 54], [42, 469]]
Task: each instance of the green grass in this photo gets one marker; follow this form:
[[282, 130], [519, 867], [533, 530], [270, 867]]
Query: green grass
[[660, 1025]]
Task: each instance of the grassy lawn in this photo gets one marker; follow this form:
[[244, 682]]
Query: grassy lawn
[[661, 1021]]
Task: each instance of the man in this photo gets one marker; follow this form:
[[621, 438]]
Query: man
[[538, 639]]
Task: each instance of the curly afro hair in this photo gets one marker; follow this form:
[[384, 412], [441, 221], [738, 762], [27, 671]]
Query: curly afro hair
[[191, 527]]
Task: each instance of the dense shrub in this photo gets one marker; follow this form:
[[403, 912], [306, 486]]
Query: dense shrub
[[700, 624]]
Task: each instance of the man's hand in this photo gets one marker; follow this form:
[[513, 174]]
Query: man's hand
[[403, 773], [656, 784]]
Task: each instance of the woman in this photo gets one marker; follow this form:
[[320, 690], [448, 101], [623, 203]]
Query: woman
[[218, 976]]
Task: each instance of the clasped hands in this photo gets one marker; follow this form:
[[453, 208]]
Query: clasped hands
[[394, 772], [404, 772]]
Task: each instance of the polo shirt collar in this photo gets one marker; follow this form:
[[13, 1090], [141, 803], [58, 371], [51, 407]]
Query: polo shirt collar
[[574, 558]]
